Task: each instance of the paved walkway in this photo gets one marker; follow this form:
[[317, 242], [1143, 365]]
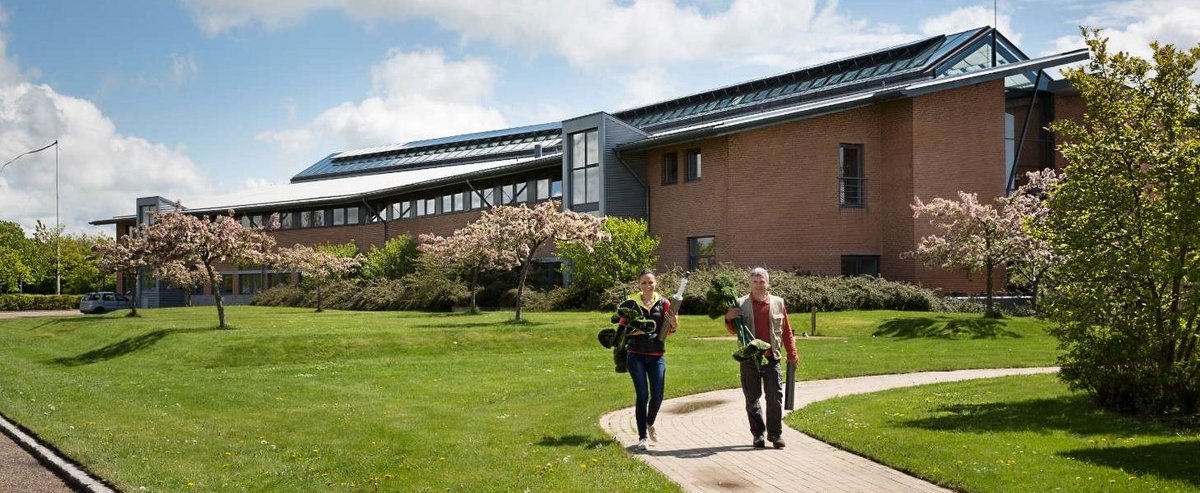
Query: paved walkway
[[41, 313], [704, 441], [21, 472]]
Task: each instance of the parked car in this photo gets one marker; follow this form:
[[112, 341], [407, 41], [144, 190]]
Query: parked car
[[104, 301]]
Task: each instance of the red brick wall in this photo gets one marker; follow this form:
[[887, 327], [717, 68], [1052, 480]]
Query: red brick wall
[[770, 195], [1066, 107], [958, 144]]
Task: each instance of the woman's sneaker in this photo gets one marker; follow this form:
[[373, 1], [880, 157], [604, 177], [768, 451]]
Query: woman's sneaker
[[653, 433], [641, 446]]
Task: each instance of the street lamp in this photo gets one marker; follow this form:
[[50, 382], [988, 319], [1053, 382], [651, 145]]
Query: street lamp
[[57, 232]]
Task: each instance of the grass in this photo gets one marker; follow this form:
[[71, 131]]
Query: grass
[[1018, 434], [292, 400]]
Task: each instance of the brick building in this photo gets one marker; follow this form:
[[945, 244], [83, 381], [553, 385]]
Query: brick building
[[811, 170]]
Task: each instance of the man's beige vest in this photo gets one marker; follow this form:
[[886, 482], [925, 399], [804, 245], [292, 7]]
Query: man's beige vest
[[747, 308]]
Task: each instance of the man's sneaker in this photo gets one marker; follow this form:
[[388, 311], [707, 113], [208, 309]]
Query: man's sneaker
[[653, 433], [760, 443], [778, 443], [641, 446]]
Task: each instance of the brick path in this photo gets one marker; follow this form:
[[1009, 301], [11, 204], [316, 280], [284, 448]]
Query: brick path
[[704, 441]]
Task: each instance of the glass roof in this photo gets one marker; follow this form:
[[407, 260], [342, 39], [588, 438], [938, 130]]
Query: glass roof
[[484, 146], [885, 64]]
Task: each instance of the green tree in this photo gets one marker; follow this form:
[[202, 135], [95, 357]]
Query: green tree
[[617, 260], [19, 260], [396, 259], [1125, 222]]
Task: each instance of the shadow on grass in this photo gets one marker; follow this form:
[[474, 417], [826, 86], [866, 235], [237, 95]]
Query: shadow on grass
[[495, 324], [1172, 461], [1074, 414], [121, 348], [575, 441], [944, 328]]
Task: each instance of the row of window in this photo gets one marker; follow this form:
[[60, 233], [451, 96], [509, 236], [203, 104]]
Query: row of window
[[671, 167], [510, 194]]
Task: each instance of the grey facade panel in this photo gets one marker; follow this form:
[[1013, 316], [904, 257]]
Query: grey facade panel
[[624, 176]]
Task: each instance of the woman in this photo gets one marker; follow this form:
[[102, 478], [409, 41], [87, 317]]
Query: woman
[[644, 353]]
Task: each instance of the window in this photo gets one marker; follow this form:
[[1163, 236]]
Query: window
[[514, 194], [339, 217], [400, 210], [860, 265], [543, 189], [250, 283], [312, 219], [245, 220], [426, 207], [226, 283], [693, 165], [352, 215], [702, 252], [585, 167], [285, 220], [458, 203], [279, 278], [556, 189], [670, 169], [144, 214], [482, 198], [447, 203], [852, 181]]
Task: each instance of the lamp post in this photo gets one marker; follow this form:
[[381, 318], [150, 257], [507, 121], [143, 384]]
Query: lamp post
[[57, 231]]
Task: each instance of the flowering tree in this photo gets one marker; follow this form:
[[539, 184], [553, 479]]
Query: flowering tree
[[187, 240], [185, 276], [510, 236], [980, 237], [127, 253], [320, 265], [467, 250]]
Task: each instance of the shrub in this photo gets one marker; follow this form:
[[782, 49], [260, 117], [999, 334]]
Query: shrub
[[24, 302]]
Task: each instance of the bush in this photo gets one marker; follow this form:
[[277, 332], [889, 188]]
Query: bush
[[410, 293], [801, 293], [24, 302]]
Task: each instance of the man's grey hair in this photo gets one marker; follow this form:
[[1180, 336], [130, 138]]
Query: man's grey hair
[[759, 271]]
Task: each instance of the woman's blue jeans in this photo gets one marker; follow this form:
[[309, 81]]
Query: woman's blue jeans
[[648, 373]]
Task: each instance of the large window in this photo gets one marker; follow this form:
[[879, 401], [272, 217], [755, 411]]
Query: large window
[[514, 193], [693, 165], [452, 202], [543, 189], [312, 219], [250, 283], [860, 265], [670, 169], [227, 283], [279, 278], [702, 252], [585, 167], [426, 207], [852, 180], [285, 220]]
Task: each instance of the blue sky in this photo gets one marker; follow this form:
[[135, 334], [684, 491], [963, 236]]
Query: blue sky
[[183, 99]]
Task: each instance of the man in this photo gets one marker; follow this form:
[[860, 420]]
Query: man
[[767, 317]]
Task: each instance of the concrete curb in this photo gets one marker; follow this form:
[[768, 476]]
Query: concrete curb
[[64, 468]]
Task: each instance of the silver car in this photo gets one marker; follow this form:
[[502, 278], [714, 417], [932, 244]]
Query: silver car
[[104, 301]]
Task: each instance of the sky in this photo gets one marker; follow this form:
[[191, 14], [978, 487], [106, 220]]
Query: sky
[[191, 98]]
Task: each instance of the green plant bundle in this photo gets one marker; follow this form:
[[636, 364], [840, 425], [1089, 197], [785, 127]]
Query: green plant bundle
[[719, 298]]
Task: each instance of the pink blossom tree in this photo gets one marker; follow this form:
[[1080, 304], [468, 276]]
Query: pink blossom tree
[[980, 237], [127, 253], [510, 236], [184, 276], [187, 240], [320, 265], [467, 252]]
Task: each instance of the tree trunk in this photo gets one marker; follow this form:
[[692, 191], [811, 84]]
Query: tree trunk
[[474, 288], [216, 289], [521, 285], [989, 310], [319, 309], [137, 286]]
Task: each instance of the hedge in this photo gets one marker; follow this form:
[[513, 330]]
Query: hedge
[[26, 302]]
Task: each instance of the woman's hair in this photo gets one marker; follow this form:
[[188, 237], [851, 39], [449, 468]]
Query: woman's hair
[[761, 272], [646, 271]]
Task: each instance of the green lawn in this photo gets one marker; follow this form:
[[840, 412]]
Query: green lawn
[[292, 400], [1018, 434]]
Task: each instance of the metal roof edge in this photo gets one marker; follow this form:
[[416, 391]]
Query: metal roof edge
[[997, 72]]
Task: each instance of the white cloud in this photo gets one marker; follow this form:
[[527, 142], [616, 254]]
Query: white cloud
[[965, 18], [597, 34], [1130, 26], [183, 68], [414, 95], [645, 86], [101, 171]]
